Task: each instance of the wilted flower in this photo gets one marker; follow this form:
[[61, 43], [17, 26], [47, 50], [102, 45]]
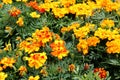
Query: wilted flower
[[71, 67], [101, 72], [22, 70]]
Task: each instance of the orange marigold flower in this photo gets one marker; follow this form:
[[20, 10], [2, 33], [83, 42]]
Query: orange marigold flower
[[92, 41], [22, 70], [101, 72], [58, 49], [14, 12], [107, 23], [43, 35], [35, 6], [37, 60], [83, 46], [7, 62], [113, 46], [71, 67], [20, 21], [30, 45]]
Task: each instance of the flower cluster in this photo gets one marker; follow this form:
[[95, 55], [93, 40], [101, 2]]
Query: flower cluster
[[60, 39], [38, 39]]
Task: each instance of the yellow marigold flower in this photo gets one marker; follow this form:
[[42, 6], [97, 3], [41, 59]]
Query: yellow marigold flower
[[73, 26], [107, 23], [3, 76], [71, 67], [20, 21], [83, 46], [34, 15], [50, 5], [67, 3], [7, 62], [7, 1], [34, 78], [92, 41], [81, 32], [102, 33], [113, 46], [58, 49], [60, 12], [37, 60], [22, 70]]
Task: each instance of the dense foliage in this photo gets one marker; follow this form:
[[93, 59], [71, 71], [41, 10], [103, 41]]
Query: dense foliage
[[59, 39]]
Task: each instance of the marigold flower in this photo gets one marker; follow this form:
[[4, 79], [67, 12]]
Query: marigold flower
[[14, 12], [60, 12], [36, 59], [101, 72], [20, 21], [22, 70], [71, 67], [34, 78], [34, 15], [81, 32], [35, 6], [43, 35], [107, 23], [58, 49], [7, 62], [113, 46], [92, 41], [83, 46], [3, 76], [7, 1], [30, 45]]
